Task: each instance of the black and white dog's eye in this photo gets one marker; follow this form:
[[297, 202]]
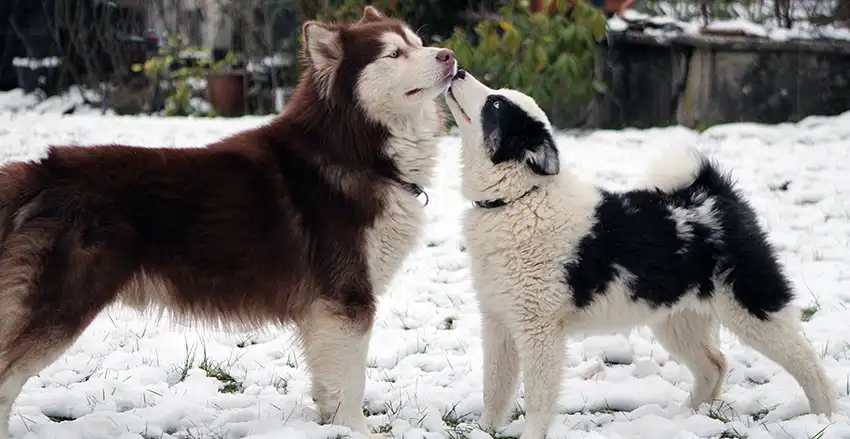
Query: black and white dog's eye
[[394, 54], [496, 104]]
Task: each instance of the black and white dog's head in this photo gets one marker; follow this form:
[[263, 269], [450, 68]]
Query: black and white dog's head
[[506, 136]]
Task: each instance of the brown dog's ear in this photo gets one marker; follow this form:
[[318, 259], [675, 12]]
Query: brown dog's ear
[[323, 50], [370, 14], [321, 44]]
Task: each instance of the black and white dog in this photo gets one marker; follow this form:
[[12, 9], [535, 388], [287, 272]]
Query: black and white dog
[[552, 254]]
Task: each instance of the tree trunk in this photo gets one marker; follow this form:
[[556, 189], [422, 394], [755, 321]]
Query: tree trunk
[[842, 12]]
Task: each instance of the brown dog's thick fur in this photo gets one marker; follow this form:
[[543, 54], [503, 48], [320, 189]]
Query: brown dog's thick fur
[[269, 225]]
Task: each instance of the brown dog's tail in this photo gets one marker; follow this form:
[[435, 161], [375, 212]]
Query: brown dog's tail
[[17, 187]]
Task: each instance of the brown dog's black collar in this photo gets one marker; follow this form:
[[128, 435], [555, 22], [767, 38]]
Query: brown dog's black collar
[[414, 189], [499, 202]]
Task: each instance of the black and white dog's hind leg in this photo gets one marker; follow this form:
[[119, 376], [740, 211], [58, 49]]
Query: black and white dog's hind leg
[[692, 338], [780, 338]]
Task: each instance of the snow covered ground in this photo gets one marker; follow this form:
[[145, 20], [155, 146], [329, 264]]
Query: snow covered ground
[[17, 101], [131, 378]]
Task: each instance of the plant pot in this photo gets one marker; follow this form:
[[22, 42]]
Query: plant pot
[[227, 93]]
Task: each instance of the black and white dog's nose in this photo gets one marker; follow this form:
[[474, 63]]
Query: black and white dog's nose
[[461, 74]]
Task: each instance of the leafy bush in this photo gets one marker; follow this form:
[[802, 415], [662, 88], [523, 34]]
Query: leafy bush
[[178, 78], [551, 58]]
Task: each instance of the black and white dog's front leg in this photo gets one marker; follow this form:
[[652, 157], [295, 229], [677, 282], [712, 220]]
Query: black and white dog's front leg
[[541, 351], [501, 371]]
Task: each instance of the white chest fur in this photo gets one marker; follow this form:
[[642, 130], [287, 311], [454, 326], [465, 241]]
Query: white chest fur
[[391, 239], [517, 252], [413, 149], [413, 144]]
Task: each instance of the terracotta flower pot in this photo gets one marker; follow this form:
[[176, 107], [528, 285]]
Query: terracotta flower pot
[[227, 93]]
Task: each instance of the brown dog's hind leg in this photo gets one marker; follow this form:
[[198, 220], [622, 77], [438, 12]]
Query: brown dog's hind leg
[[51, 288]]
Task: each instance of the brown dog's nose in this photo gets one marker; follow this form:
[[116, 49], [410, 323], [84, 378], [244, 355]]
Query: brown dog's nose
[[446, 56]]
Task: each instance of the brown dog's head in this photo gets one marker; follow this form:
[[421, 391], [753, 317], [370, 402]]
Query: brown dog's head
[[379, 63]]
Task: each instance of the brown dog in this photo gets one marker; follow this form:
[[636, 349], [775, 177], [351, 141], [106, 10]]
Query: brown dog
[[303, 220]]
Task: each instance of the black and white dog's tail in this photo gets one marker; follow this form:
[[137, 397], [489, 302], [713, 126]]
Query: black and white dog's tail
[[679, 167]]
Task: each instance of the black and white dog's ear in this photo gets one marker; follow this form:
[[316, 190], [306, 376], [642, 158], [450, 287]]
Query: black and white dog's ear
[[543, 158]]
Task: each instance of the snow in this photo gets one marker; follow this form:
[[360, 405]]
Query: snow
[[617, 24], [19, 101], [276, 60], [665, 24], [744, 26], [35, 63], [129, 377]]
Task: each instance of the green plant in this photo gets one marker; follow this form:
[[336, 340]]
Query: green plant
[[176, 77], [549, 57]]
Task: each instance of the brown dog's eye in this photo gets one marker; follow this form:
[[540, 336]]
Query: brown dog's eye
[[395, 54]]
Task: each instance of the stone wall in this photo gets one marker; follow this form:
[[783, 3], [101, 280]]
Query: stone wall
[[699, 81]]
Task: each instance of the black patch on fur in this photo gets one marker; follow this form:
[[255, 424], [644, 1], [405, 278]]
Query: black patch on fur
[[636, 234], [511, 134]]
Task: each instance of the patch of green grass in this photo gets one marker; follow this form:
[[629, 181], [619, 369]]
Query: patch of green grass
[[456, 429], [732, 434], [188, 364], [215, 370], [58, 419], [779, 187], [703, 126], [759, 415], [452, 418], [457, 434], [449, 323], [282, 385], [820, 434], [516, 414], [245, 343], [807, 313], [380, 411], [718, 411], [757, 382], [723, 412]]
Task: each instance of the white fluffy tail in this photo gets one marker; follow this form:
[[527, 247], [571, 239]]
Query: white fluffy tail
[[674, 168]]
